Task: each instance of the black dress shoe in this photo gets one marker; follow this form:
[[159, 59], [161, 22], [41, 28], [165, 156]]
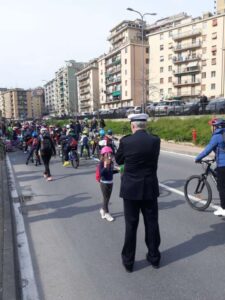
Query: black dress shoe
[[128, 268], [154, 265]]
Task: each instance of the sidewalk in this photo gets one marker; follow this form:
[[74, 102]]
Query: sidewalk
[[8, 290], [184, 148]]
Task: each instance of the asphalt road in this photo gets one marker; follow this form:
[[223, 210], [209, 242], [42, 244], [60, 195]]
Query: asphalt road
[[76, 254]]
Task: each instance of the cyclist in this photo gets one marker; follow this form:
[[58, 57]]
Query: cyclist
[[111, 140], [70, 143], [217, 144], [34, 144], [84, 141]]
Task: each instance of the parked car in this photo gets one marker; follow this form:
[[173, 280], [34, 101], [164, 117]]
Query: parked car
[[216, 106], [169, 108], [150, 109], [192, 107]]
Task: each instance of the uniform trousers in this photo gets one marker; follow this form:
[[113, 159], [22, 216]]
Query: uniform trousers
[[149, 210], [221, 185]]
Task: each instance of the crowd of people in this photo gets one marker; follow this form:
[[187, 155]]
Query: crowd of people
[[137, 161]]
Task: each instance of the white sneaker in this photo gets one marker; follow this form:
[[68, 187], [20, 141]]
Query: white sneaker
[[108, 217], [102, 213], [220, 212]]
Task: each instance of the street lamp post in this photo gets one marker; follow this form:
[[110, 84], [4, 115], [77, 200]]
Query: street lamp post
[[143, 52]]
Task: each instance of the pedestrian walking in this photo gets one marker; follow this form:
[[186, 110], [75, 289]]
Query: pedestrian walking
[[47, 149], [139, 189]]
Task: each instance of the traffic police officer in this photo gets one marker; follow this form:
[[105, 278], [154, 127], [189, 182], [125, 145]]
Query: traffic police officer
[[139, 189]]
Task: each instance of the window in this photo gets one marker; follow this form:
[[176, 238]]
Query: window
[[204, 50], [147, 61], [204, 63], [204, 75], [161, 58], [203, 87], [214, 22], [170, 56], [161, 80], [213, 53], [161, 47], [161, 36], [161, 69], [170, 46], [126, 50], [213, 48], [161, 92], [147, 50], [125, 82], [170, 68], [213, 61], [213, 86], [213, 74], [169, 79], [214, 35], [169, 91], [125, 61]]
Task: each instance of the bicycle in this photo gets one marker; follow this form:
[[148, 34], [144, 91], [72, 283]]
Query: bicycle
[[74, 158], [197, 189]]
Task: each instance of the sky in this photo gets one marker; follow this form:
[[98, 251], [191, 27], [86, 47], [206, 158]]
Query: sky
[[38, 36]]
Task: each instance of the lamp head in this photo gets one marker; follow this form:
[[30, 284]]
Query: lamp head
[[129, 8]]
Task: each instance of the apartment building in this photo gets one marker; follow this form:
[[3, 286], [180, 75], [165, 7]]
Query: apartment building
[[14, 103], [220, 6], [88, 87], [35, 103], [66, 88], [121, 69], [187, 57], [51, 106]]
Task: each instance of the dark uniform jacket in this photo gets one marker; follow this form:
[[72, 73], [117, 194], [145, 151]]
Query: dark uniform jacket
[[139, 153]]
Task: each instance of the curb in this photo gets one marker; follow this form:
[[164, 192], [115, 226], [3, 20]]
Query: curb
[[28, 287]]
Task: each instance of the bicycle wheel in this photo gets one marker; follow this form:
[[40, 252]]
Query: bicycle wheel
[[198, 192], [75, 160]]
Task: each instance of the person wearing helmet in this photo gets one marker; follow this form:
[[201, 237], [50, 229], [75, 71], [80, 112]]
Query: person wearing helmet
[[47, 149], [69, 143], [33, 142], [217, 144], [84, 141], [106, 171], [110, 139]]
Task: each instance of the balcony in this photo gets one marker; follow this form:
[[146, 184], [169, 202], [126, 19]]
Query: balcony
[[188, 70], [185, 59], [115, 61], [84, 99], [113, 71], [180, 48], [86, 83], [83, 76], [187, 83], [116, 93], [187, 34], [85, 91], [114, 81]]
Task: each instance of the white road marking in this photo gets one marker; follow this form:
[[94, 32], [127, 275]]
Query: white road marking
[[177, 153], [173, 190], [28, 283]]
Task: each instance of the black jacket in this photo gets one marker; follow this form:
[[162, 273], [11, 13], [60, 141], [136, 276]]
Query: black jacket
[[139, 153]]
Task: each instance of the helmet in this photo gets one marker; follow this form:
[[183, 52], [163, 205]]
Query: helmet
[[109, 132], [212, 121], [102, 132], [106, 149], [34, 134], [43, 129], [85, 132], [68, 126], [219, 123]]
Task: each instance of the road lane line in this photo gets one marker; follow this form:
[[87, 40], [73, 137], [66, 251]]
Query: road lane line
[[28, 283], [173, 190]]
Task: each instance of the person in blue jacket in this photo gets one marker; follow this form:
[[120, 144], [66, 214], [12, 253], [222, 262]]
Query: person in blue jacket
[[217, 144]]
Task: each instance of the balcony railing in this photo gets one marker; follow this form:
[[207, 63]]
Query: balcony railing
[[187, 82], [187, 34], [185, 59], [86, 91], [189, 70], [183, 47], [84, 84], [114, 81]]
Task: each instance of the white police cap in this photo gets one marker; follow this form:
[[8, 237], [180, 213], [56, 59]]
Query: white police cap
[[138, 117]]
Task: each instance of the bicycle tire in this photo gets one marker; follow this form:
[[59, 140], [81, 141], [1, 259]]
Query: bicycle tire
[[196, 201], [75, 160]]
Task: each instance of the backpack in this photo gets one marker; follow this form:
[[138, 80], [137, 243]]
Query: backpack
[[97, 173], [46, 145], [73, 143]]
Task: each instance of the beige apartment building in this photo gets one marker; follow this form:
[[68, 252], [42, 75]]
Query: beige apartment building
[[220, 6], [88, 88], [51, 106], [187, 57], [35, 103], [121, 69], [14, 103]]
